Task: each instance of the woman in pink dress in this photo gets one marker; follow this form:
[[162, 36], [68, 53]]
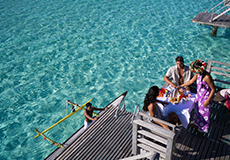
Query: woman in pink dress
[[205, 91]]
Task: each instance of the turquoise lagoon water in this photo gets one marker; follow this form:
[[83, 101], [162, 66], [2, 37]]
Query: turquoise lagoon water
[[53, 51]]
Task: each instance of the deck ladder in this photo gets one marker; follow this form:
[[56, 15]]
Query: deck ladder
[[226, 4]]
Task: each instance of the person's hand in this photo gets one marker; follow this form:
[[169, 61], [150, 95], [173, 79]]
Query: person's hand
[[188, 88], [106, 108], [174, 86], [206, 103], [166, 127], [96, 118], [178, 87]]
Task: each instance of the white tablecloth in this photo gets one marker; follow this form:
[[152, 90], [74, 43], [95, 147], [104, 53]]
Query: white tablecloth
[[182, 109]]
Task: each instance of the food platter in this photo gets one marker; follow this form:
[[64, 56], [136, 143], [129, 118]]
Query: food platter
[[175, 96], [174, 100]]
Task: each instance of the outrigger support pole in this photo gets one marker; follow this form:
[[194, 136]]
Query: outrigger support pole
[[50, 140], [69, 115]]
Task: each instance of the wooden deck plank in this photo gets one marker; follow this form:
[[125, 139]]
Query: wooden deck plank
[[205, 17], [75, 146], [83, 138], [208, 137], [225, 18], [197, 149], [115, 125], [121, 121], [204, 141], [180, 144], [187, 145], [127, 146], [122, 141], [222, 148], [125, 150], [196, 143], [219, 143], [213, 135], [195, 146], [126, 143], [209, 147], [106, 144]]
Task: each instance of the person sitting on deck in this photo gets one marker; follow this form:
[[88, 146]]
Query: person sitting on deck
[[89, 113], [151, 107], [178, 74]]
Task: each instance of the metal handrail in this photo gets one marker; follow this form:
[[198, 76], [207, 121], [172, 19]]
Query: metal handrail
[[123, 108], [227, 2], [217, 5], [218, 9], [135, 114]]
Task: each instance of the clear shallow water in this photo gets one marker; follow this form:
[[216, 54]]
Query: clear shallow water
[[53, 51]]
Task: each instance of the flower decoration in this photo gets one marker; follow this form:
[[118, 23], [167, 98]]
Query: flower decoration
[[162, 92], [200, 69], [182, 96]]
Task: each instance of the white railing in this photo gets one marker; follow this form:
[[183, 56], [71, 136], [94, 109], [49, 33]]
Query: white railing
[[226, 3], [151, 155]]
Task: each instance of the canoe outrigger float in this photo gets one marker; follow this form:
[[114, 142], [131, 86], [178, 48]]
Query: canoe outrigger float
[[50, 140], [75, 109]]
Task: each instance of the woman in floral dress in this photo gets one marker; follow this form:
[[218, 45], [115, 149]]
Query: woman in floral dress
[[205, 91]]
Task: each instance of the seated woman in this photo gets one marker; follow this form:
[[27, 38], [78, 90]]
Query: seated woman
[[150, 106]]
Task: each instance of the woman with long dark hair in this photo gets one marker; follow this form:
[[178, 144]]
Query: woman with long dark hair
[[205, 91], [150, 106]]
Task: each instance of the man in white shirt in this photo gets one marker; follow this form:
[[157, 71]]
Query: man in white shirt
[[178, 74]]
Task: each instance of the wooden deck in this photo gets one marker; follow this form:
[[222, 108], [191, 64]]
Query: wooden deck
[[204, 18], [213, 145], [110, 137]]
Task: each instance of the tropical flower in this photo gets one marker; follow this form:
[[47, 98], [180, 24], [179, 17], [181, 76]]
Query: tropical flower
[[197, 70]]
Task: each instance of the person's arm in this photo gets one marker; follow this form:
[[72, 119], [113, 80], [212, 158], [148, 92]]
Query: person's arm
[[208, 79], [166, 79], [100, 109], [88, 117], [191, 81], [190, 77], [152, 109]]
